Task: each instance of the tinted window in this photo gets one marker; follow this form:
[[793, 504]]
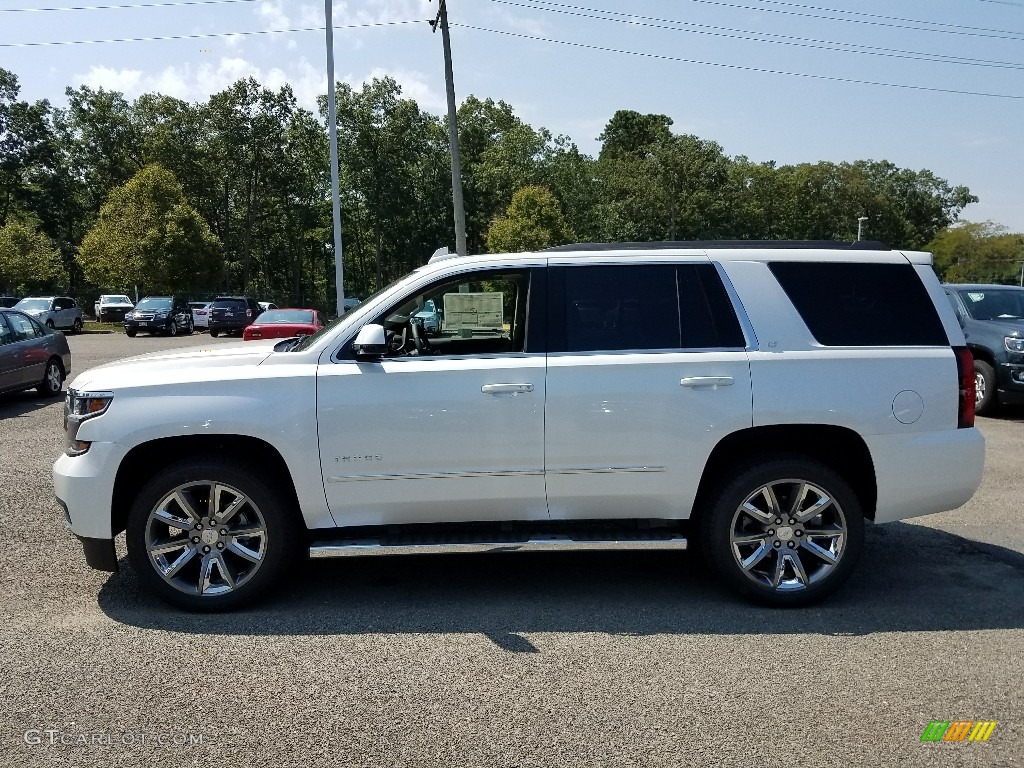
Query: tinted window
[[647, 307], [154, 304], [862, 305], [229, 304], [287, 316]]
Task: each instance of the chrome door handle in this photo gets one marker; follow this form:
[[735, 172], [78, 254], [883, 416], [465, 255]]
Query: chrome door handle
[[506, 389], [706, 381]]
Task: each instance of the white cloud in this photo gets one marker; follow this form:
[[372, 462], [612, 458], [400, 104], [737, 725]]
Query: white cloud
[[198, 83], [273, 15]]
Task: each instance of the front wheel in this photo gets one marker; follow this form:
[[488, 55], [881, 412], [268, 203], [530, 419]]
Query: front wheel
[[784, 532], [984, 387], [50, 325], [214, 334], [53, 379], [129, 332], [206, 535]]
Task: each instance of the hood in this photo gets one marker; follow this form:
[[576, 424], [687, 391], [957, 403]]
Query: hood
[[174, 366], [1010, 326]]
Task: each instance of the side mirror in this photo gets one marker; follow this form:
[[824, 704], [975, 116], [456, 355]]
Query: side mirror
[[371, 342]]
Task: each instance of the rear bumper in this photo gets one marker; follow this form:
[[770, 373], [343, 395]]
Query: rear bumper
[[918, 474]]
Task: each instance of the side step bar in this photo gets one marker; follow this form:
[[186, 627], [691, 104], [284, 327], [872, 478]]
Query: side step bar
[[535, 543]]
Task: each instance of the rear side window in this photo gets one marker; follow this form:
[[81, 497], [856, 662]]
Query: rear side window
[[862, 305], [650, 306], [230, 304]]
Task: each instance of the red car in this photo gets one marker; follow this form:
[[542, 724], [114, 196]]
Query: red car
[[283, 324]]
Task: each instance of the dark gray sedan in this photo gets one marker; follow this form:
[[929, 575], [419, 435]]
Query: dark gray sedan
[[31, 355]]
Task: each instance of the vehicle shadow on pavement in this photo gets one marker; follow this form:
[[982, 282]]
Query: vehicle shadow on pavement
[[23, 403], [911, 578]]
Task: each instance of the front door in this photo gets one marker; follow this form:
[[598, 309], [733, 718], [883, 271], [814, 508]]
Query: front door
[[447, 427]]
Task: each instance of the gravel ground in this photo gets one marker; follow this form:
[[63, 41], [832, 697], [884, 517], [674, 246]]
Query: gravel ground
[[589, 659]]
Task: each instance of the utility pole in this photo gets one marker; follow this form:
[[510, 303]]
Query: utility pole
[[860, 224], [332, 129], [453, 130]]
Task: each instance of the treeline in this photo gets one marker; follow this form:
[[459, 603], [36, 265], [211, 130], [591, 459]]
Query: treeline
[[233, 194]]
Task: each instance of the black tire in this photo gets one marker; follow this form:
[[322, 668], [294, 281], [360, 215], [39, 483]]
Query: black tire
[[783, 550], [76, 327], [191, 328], [172, 329], [985, 400], [130, 333], [214, 334], [265, 507], [53, 378], [50, 325]]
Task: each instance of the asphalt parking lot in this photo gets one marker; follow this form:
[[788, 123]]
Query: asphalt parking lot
[[588, 659]]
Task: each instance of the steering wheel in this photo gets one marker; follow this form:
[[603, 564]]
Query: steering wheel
[[419, 338]]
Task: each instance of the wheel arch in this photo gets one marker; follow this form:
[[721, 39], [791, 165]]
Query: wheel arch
[[254, 453], [983, 353], [839, 448]]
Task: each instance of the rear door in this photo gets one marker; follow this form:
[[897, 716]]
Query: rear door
[[11, 373], [648, 370]]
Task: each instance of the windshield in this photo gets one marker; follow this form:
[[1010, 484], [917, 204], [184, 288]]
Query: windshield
[[995, 304], [154, 304], [33, 304], [302, 316], [115, 300]]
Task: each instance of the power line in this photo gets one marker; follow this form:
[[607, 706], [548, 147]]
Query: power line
[[208, 35], [120, 7], [852, 13], [759, 37], [742, 67], [935, 26]]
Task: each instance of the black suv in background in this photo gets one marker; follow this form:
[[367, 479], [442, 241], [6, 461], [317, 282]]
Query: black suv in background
[[170, 315], [992, 317], [232, 314]]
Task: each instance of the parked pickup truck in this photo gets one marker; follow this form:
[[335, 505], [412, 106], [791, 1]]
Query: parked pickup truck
[[111, 308]]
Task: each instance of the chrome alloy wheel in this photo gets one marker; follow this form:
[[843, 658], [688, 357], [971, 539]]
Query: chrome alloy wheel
[[54, 377], [980, 387], [206, 538], [788, 535]]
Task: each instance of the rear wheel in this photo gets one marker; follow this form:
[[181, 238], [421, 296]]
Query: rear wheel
[[784, 532], [50, 325], [172, 329], [214, 334], [984, 387], [53, 378], [76, 327], [206, 535], [191, 328]]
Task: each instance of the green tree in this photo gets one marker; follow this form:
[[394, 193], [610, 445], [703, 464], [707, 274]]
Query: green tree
[[148, 235], [982, 252], [29, 261], [534, 221]]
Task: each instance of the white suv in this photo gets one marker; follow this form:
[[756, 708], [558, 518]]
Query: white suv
[[761, 399]]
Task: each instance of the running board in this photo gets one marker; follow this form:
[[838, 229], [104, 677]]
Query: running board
[[537, 543]]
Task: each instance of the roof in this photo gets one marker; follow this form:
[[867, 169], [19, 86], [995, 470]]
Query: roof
[[831, 245]]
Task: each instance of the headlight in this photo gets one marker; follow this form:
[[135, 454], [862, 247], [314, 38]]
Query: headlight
[[159, 315], [129, 315], [1013, 344], [79, 407]]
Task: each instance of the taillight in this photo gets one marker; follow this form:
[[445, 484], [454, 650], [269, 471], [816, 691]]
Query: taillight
[[965, 374]]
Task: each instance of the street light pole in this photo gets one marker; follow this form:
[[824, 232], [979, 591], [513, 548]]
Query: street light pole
[[453, 130], [332, 129], [860, 224]]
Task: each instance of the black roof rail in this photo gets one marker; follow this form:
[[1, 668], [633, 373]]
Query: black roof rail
[[832, 245]]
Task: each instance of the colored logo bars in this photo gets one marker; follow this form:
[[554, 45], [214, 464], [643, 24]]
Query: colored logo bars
[[959, 730]]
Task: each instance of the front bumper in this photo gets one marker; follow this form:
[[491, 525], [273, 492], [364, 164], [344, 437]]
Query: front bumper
[[150, 326], [1010, 390]]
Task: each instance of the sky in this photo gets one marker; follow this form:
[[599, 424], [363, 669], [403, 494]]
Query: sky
[[924, 84]]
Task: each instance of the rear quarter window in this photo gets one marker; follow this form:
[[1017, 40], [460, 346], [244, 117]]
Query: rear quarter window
[[861, 305]]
